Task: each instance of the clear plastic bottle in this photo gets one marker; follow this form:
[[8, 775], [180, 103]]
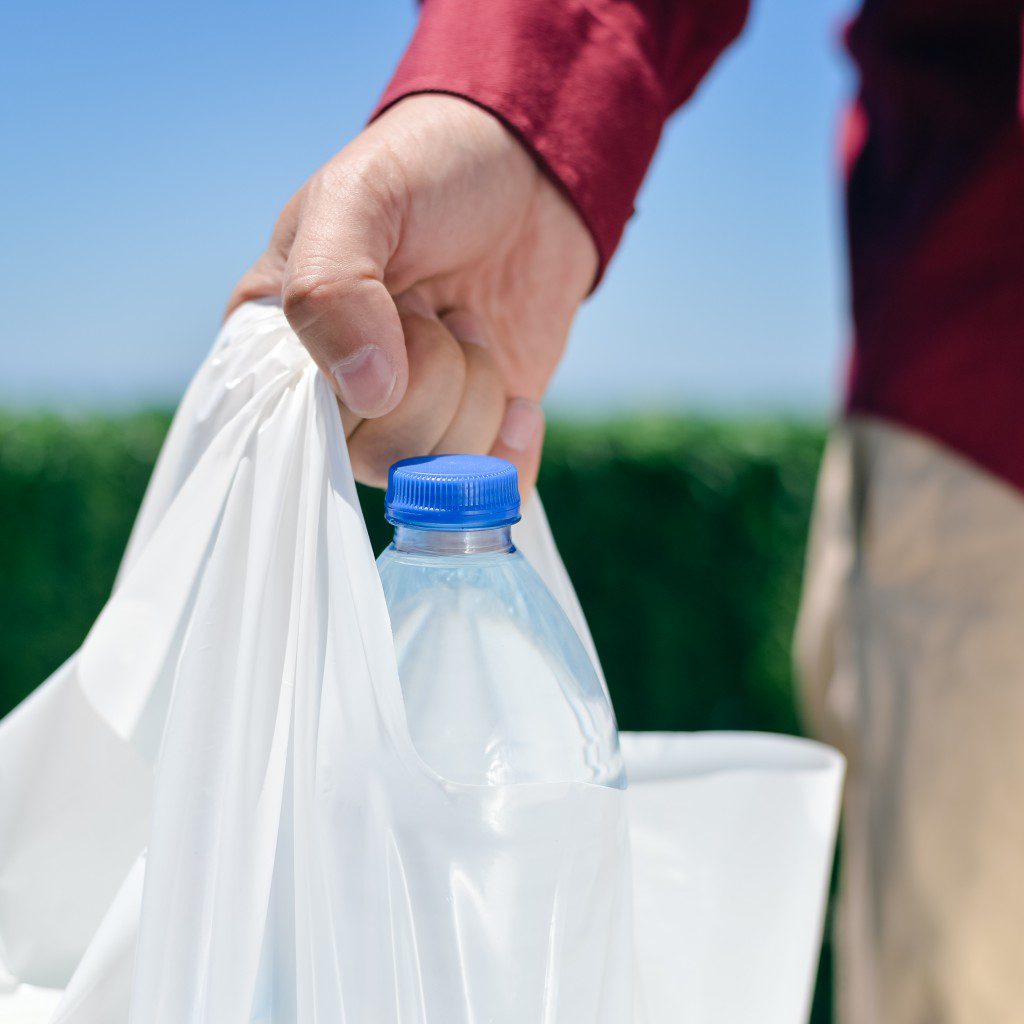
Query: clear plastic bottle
[[498, 687]]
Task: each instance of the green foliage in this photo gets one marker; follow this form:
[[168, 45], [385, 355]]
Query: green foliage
[[683, 537], [69, 490], [685, 542]]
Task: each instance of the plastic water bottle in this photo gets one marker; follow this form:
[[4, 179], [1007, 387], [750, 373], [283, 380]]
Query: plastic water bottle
[[498, 687]]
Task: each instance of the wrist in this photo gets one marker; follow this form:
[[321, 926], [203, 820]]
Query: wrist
[[465, 143]]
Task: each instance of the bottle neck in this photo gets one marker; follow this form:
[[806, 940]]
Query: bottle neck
[[452, 542]]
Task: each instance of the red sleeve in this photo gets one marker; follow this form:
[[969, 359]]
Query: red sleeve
[[586, 84]]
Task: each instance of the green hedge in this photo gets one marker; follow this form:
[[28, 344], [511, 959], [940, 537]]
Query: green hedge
[[684, 538]]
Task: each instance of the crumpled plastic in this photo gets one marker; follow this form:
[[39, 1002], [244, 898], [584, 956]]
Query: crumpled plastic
[[213, 814]]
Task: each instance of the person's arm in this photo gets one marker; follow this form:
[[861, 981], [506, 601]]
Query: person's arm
[[434, 266], [587, 85]]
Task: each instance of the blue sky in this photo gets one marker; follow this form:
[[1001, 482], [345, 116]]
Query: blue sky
[[148, 148]]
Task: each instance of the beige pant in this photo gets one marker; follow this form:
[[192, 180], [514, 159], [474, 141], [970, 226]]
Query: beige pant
[[910, 649]]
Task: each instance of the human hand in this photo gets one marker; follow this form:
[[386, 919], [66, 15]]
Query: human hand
[[432, 270]]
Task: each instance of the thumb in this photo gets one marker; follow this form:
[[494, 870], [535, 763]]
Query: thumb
[[335, 299]]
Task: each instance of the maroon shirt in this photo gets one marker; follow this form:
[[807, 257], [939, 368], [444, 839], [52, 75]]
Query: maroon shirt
[[934, 153]]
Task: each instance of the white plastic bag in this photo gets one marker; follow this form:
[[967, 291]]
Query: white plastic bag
[[235, 710]]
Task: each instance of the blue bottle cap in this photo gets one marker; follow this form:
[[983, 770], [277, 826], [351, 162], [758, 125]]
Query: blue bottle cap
[[453, 492]]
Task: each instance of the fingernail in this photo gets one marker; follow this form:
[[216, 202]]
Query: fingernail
[[522, 424], [465, 327], [365, 380]]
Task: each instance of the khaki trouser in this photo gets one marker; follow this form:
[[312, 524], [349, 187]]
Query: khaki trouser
[[910, 649]]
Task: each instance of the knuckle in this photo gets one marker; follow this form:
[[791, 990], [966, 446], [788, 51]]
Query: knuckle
[[450, 355], [307, 296], [482, 372], [443, 350], [372, 460], [433, 348], [248, 287], [257, 282]]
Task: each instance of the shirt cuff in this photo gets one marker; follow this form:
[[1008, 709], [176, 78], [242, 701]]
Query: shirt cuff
[[577, 91]]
